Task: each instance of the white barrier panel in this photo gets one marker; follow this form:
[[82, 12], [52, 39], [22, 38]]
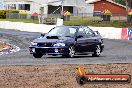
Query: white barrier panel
[[59, 22], [30, 27], [106, 32]]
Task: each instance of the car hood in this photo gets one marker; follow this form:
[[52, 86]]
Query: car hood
[[45, 40]]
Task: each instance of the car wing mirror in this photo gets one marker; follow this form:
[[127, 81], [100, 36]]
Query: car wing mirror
[[96, 33], [42, 35], [80, 36]]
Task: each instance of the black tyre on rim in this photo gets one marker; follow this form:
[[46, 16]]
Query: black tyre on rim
[[37, 55], [97, 51], [71, 53]]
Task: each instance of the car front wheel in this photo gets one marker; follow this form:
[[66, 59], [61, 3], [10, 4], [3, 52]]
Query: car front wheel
[[71, 53], [37, 55], [97, 51]]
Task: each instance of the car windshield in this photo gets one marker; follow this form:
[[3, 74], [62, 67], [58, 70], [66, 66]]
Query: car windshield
[[62, 32]]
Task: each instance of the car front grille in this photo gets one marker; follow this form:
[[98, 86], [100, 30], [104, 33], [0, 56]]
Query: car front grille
[[45, 44]]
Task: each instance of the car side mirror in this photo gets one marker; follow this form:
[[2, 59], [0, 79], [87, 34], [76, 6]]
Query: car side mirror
[[96, 33], [42, 35], [80, 36]]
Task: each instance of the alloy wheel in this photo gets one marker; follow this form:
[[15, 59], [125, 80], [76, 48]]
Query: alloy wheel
[[71, 51], [97, 52]]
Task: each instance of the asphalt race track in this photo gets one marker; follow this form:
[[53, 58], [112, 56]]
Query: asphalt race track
[[116, 51]]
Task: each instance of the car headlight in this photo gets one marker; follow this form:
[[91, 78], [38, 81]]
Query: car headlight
[[59, 44], [34, 43]]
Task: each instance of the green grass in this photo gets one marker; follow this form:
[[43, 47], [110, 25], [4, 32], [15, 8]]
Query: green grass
[[84, 18], [97, 23], [21, 20], [118, 24], [84, 21]]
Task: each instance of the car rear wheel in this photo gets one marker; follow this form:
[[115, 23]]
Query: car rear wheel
[[97, 51], [37, 55]]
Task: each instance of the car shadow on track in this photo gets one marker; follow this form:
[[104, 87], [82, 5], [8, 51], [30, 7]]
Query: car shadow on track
[[77, 56]]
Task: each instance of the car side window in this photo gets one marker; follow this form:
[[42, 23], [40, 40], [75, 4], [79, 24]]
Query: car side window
[[89, 32], [86, 32], [81, 32], [72, 30]]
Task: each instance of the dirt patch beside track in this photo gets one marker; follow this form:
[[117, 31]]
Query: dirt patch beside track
[[4, 46], [1, 46], [57, 76]]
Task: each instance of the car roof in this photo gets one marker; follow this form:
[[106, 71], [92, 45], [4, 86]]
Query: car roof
[[77, 26]]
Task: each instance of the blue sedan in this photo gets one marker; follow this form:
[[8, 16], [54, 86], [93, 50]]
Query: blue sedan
[[68, 41]]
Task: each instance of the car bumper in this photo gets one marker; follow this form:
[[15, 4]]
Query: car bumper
[[49, 50]]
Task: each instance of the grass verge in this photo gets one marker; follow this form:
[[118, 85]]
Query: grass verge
[[81, 21], [98, 23], [21, 20]]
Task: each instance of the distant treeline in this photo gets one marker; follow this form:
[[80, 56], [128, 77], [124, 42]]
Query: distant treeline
[[123, 2]]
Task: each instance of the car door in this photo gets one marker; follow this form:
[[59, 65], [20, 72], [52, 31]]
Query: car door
[[81, 41], [91, 39]]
